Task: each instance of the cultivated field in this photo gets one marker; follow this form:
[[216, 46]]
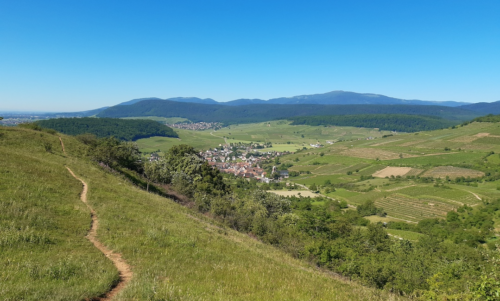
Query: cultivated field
[[283, 136], [392, 171], [452, 172], [413, 209], [370, 153], [426, 154]]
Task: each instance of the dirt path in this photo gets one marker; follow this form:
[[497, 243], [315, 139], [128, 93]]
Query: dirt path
[[116, 258], [399, 188], [477, 197], [62, 145], [225, 140]]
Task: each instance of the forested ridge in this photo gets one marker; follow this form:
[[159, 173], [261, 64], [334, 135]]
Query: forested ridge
[[123, 129], [386, 122], [259, 113]]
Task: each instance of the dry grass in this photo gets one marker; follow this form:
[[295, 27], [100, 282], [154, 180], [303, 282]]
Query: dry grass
[[469, 139], [392, 171], [481, 135], [304, 193], [414, 172]]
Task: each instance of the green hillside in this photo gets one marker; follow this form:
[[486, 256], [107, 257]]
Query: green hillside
[[175, 254], [412, 176], [122, 129]]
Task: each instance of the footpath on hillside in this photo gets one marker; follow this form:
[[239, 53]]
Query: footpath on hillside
[[116, 258], [120, 264]]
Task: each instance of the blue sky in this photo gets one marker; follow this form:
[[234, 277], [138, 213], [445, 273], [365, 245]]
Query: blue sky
[[80, 55]]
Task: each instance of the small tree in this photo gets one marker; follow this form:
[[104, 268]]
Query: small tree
[[47, 146]]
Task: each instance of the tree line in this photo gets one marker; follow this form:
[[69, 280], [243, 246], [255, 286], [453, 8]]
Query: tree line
[[387, 122], [123, 129]]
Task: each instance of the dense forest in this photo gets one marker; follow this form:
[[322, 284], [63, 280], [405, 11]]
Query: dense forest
[[123, 129], [259, 113], [386, 122]]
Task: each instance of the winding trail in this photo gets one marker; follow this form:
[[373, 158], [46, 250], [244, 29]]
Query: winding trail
[[62, 145], [122, 266]]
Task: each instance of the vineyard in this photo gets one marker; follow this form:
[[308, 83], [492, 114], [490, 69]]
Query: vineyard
[[413, 209], [452, 172]]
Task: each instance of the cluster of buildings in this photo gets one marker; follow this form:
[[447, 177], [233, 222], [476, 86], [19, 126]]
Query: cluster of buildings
[[317, 145], [198, 126], [13, 121], [242, 169], [246, 164]]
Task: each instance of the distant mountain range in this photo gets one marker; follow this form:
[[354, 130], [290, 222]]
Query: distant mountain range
[[484, 107], [330, 98], [344, 102], [263, 112]]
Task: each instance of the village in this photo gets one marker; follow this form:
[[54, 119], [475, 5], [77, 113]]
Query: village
[[197, 126], [246, 163], [241, 161]]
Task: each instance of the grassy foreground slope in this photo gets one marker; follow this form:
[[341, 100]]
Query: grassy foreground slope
[[174, 254], [43, 250]]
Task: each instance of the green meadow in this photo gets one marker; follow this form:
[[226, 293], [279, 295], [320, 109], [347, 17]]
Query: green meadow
[[281, 134], [197, 139]]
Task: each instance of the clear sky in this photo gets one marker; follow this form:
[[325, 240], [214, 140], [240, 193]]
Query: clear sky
[[86, 54]]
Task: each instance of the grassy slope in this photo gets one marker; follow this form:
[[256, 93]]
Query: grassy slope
[[423, 150], [174, 254], [43, 250]]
